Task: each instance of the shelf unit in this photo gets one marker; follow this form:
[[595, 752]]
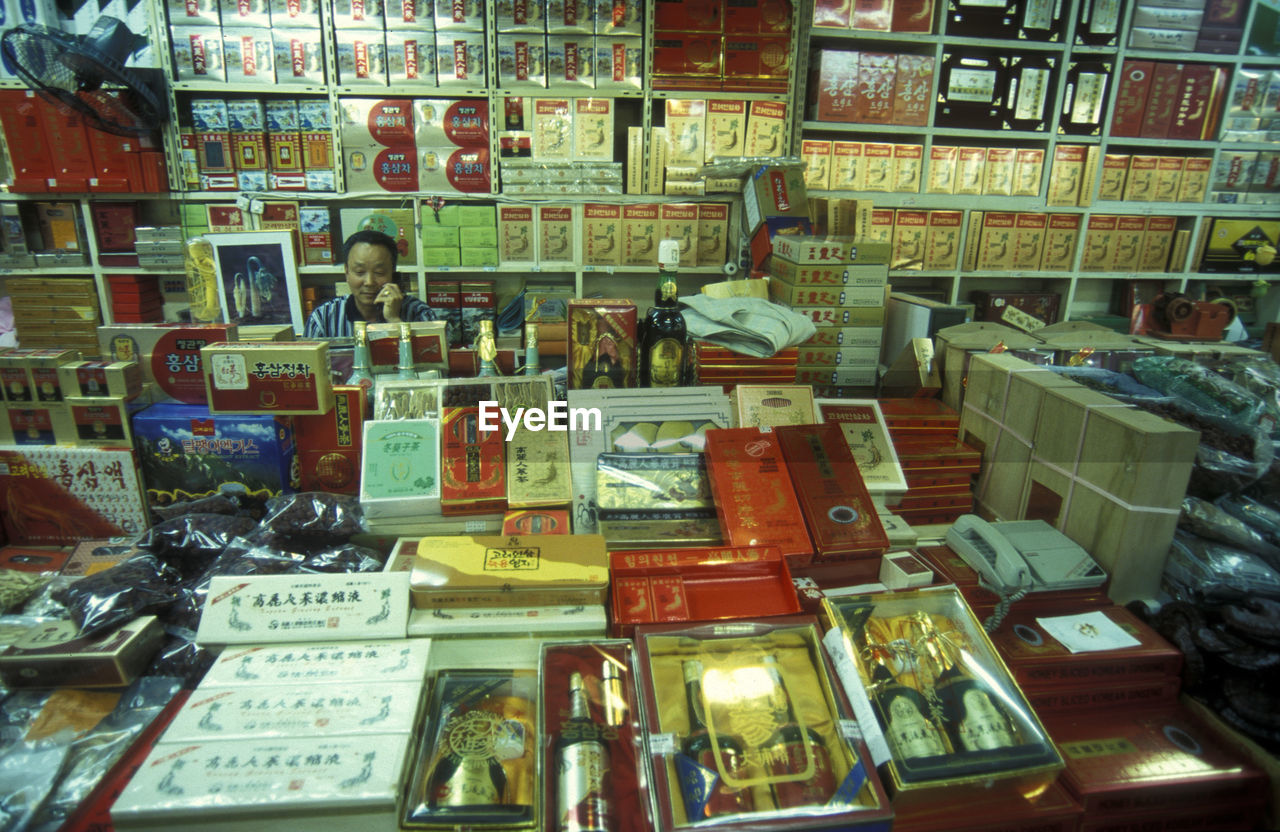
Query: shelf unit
[[639, 107], [1083, 292]]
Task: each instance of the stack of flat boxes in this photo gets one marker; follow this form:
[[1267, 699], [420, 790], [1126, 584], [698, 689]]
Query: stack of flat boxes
[[61, 313], [844, 295], [1110, 476]]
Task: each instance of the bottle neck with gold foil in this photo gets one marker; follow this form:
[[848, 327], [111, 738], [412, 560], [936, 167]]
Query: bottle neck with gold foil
[[668, 292], [693, 695], [404, 366], [578, 707], [487, 349], [361, 356]]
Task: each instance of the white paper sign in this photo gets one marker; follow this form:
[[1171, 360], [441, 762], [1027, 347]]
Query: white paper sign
[[1087, 633], [833, 641], [294, 608]]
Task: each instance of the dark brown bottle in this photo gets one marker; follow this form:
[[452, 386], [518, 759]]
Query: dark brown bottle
[[706, 794], [905, 715], [975, 720], [794, 750], [663, 342]]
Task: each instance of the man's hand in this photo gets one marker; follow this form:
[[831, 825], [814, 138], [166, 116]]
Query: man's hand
[[389, 298]]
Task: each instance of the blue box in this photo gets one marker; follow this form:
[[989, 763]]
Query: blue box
[[186, 452]]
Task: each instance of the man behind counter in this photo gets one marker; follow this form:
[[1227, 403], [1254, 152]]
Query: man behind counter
[[369, 261]]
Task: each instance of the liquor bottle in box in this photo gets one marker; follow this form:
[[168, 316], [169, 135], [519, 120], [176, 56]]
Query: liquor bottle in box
[[1085, 98], [971, 91], [699, 746], [1099, 21], [1041, 20], [1030, 91], [984, 18]]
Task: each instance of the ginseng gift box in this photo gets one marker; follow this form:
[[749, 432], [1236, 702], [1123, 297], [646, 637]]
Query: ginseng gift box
[[696, 585], [52, 655], [489, 571], [329, 446], [186, 452], [754, 499], [935, 702], [60, 495], [285, 378], [472, 464], [837, 509], [646, 499], [1161, 768], [588, 722], [602, 343], [752, 736]]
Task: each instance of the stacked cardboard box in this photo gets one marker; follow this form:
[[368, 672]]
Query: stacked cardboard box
[[1110, 476], [56, 313], [826, 280], [1146, 178], [135, 299], [714, 46], [459, 235]]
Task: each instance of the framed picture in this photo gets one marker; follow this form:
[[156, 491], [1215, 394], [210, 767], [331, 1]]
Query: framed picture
[[257, 278]]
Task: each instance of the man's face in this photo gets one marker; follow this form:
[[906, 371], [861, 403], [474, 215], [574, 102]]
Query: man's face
[[368, 269]]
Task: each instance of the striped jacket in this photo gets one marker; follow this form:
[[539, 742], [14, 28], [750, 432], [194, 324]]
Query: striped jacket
[[333, 318]]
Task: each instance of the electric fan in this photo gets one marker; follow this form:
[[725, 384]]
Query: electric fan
[[87, 73]]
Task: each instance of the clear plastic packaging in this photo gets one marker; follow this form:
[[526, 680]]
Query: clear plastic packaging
[[1207, 572], [141, 585], [191, 542], [311, 514], [1263, 518], [1211, 522], [1201, 387]]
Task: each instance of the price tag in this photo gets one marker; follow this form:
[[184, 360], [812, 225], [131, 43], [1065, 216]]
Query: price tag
[[662, 744]]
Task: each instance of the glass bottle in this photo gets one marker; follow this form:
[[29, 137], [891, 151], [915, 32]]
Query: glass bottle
[[467, 773], [904, 713], [532, 361], [486, 350], [706, 795], [795, 750], [662, 348], [360, 367], [582, 758], [974, 719], [404, 366]]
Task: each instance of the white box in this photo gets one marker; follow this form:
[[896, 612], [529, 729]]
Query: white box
[[287, 785], [460, 59], [571, 61], [581, 621], [197, 54], [249, 56], [390, 661]]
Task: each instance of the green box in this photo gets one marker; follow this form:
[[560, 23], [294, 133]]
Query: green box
[[469, 236], [478, 215], [441, 256], [439, 236], [401, 467], [475, 256], [448, 216]]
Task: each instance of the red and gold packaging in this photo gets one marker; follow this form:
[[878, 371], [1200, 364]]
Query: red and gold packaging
[[1008, 811], [1157, 766], [1039, 661], [284, 378], [602, 343], [100, 421], [328, 445], [472, 464], [702, 584], [838, 510], [754, 499], [1131, 98]]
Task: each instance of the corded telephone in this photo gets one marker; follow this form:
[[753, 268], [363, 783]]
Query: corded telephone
[[1026, 554]]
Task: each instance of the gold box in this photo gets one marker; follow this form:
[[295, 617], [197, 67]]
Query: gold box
[[923, 676], [495, 571]]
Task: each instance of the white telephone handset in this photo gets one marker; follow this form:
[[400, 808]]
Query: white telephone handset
[[990, 554]]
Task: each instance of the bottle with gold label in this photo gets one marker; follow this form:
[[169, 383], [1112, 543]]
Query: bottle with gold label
[[794, 749], [904, 713], [706, 794], [486, 350], [663, 344]]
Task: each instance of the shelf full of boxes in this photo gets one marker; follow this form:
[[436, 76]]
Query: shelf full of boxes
[[338, 120], [1051, 149]]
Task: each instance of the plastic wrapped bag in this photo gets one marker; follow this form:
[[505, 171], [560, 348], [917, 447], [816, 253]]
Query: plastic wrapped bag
[[16, 587], [1261, 377], [1263, 518], [213, 504], [1118, 385], [241, 557], [191, 542], [1206, 572], [1210, 522], [28, 773], [180, 657], [1204, 389], [91, 756], [345, 558], [141, 585], [312, 514]]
